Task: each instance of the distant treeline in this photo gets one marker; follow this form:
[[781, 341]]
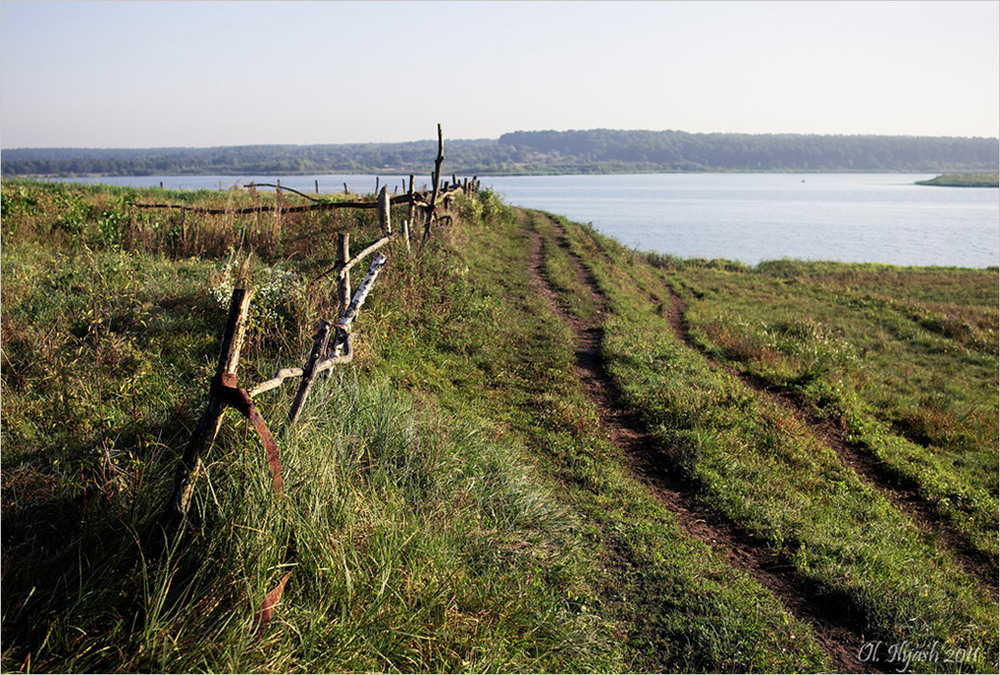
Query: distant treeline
[[540, 152]]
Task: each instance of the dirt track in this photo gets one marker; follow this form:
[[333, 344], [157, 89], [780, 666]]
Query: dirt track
[[834, 628]]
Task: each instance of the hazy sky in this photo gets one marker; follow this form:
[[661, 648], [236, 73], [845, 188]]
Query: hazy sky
[[149, 74]]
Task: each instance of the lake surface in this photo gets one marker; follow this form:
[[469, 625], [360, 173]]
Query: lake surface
[[753, 217], [747, 217]]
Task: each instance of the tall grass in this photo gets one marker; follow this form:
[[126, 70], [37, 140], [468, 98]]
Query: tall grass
[[416, 540], [413, 545]]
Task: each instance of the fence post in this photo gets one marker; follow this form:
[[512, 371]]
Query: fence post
[[413, 207], [191, 465], [320, 342], [383, 211], [436, 181], [343, 280]]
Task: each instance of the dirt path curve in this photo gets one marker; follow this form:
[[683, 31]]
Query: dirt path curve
[[833, 627]]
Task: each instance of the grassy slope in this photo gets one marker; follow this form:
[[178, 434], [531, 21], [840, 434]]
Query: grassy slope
[[451, 502]]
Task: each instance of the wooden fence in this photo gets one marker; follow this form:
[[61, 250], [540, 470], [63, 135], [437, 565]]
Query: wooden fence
[[332, 343], [426, 203]]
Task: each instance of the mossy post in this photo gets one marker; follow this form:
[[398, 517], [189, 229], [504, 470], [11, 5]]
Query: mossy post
[[191, 465]]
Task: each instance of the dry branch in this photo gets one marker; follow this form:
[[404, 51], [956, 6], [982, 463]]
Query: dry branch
[[436, 178], [288, 373], [343, 280], [275, 382], [286, 189], [361, 256]]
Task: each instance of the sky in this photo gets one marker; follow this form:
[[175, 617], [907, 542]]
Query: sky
[[198, 74]]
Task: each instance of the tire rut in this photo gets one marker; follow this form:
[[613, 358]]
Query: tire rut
[[903, 496], [835, 630]]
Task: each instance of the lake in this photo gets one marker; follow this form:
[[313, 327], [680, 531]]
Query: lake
[[747, 217]]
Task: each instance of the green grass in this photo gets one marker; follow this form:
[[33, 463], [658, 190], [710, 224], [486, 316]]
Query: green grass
[[905, 361], [451, 501], [758, 466]]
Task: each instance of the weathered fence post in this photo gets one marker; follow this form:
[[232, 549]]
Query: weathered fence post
[[410, 197], [384, 210], [320, 342], [343, 278], [191, 465], [406, 234], [184, 232], [436, 181]]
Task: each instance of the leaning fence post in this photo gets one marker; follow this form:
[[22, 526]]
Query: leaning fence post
[[348, 315], [320, 342], [191, 465]]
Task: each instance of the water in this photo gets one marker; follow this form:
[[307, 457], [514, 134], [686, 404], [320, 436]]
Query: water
[[748, 217], [752, 217]]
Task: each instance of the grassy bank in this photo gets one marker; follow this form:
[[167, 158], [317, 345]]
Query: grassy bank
[[987, 180], [453, 501]]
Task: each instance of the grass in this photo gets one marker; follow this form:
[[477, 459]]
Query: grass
[[758, 466], [451, 501], [903, 360]]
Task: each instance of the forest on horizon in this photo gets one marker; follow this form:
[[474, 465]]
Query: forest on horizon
[[533, 152]]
